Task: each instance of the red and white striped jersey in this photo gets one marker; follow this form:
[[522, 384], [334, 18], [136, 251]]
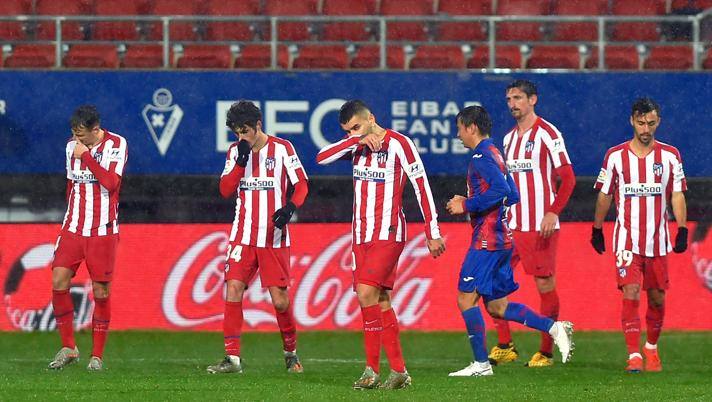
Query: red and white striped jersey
[[379, 180], [642, 188], [262, 191], [531, 158], [92, 210]]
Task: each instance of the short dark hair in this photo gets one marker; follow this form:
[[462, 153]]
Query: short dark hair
[[644, 106], [351, 108], [243, 113], [478, 116], [85, 116], [525, 86]]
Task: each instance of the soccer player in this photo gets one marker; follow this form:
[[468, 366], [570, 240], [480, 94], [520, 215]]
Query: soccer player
[[642, 175], [95, 160], [382, 159], [535, 153], [258, 168], [486, 271]]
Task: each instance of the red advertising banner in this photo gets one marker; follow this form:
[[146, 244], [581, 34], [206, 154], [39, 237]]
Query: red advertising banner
[[171, 277]]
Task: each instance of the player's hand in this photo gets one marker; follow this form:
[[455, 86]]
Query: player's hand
[[597, 240], [456, 205], [680, 240], [371, 141], [436, 247], [243, 153], [282, 216], [548, 224], [79, 149]]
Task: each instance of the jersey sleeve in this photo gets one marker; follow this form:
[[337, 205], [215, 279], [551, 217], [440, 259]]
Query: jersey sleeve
[[230, 160], [69, 151], [293, 165], [556, 148], [117, 157], [679, 181], [604, 182], [497, 189], [337, 150], [415, 170]]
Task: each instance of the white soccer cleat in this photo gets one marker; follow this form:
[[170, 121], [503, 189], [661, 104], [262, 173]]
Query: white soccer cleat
[[64, 357], [475, 369], [95, 364], [230, 364], [563, 334]]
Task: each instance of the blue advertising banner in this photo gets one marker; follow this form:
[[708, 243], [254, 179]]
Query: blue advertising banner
[[175, 121]]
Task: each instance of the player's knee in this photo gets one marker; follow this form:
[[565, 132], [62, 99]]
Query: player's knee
[[100, 289], [631, 292], [281, 304], [495, 311], [60, 279], [234, 291]]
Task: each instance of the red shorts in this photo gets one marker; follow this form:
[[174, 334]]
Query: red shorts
[[376, 262], [537, 255], [99, 253], [243, 261], [634, 269]]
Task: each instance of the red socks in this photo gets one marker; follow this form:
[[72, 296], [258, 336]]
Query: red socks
[[631, 325], [372, 330], [100, 325], [391, 341], [654, 322], [504, 335], [549, 308], [64, 315], [285, 320], [232, 327]]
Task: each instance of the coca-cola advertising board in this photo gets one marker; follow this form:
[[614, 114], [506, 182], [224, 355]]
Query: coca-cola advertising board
[[171, 277]]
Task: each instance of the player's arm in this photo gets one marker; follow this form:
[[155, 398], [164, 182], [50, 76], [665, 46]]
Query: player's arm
[[604, 183], [337, 150], [298, 178], [513, 196], [498, 189], [234, 171], [108, 179], [679, 205]]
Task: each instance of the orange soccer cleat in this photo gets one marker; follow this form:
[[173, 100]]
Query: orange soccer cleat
[[652, 360], [635, 365]]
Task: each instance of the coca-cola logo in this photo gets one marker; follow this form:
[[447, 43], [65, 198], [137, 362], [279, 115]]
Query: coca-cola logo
[[322, 287]]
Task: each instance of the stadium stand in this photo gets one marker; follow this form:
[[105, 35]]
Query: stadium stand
[[205, 56], [463, 31], [90, 55], [637, 31], [322, 57], [117, 30], [506, 57], [227, 31], [11, 30], [521, 31], [368, 56], [554, 57], [144, 56], [71, 30], [259, 56], [617, 58], [578, 31], [178, 31], [431, 57], [407, 30], [31, 56], [290, 30], [669, 58], [351, 31]]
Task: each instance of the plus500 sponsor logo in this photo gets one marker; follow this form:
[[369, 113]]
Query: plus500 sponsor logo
[[257, 183], [520, 165], [369, 174], [642, 189]]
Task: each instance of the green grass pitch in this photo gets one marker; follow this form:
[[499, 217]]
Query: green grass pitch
[[171, 366]]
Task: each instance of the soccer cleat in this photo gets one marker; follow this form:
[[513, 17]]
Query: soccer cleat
[[397, 380], [369, 380], [475, 369], [652, 360], [540, 360], [563, 334], [500, 355], [292, 361], [95, 364], [635, 365], [230, 364], [64, 357]]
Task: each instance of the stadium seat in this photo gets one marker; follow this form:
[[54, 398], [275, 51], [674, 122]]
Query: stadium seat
[[205, 56], [690, 4], [31, 56], [368, 56], [706, 62], [617, 58], [180, 30], [91, 56], [434, 57], [578, 31], [290, 30], [669, 58], [11, 30], [507, 57], [45, 30], [347, 30], [406, 30], [230, 31], [145, 56], [322, 57], [260, 56], [521, 31], [463, 31], [117, 30], [555, 57], [637, 31]]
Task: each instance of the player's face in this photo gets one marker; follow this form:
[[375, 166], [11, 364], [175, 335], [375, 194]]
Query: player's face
[[87, 136], [360, 124], [466, 134], [248, 133], [644, 126], [519, 104]]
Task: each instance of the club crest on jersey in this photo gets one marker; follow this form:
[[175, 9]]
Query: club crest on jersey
[[622, 272], [529, 146], [381, 157], [658, 169], [162, 119], [97, 157], [270, 163]]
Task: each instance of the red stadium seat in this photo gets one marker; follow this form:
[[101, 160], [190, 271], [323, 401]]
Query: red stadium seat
[[617, 58], [180, 30], [347, 30], [432, 57], [691, 4], [507, 57], [260, 56], [322, 56], [368, 56], [205, 56], [578, 31], [637, 31], [521, 31], [555, 57], [669, 58], [407, 30], [70, 30], [11, 30], [290, 30], [463, 31], [235, 31], [117, 30], [31, 56], [145, 56], [706, 63], [91, 56]]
